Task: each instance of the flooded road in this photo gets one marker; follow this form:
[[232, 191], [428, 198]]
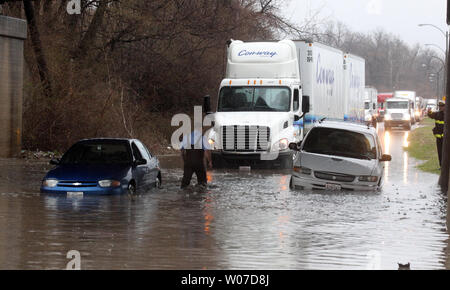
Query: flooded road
[[243, 221]]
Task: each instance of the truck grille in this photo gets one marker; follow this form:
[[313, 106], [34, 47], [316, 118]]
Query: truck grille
[[245, 138], [334, 176], [397, 116]]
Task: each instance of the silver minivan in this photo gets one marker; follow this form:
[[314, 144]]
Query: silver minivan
[[339, 156]]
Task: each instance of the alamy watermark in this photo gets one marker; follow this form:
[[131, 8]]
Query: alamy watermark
[[74, 7], [374, 260], [75, 260], [250, 139]]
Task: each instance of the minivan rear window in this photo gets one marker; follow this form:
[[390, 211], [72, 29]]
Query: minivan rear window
[[343, 143]]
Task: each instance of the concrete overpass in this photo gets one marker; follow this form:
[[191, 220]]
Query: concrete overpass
[[13, 32]]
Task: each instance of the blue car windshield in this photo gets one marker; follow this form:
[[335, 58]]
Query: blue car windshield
[[98, 154]]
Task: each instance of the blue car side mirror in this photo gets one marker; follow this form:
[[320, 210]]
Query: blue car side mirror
[[140, 162], [55, 161]]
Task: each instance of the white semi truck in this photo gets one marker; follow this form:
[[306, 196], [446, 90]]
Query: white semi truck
[[371, 105], [398, 113], [272, 94], [411, 96]]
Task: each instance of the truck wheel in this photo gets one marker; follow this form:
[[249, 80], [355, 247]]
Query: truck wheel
[[218, 161], [408, 127]]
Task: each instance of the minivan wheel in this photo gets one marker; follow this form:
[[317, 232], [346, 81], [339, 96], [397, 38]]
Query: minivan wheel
[[291, 183]]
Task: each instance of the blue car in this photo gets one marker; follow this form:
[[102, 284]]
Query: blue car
[[103, 167]]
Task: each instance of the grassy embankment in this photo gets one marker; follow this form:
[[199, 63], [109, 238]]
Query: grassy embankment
[[422, 146]]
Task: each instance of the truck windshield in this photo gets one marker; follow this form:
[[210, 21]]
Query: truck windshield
[[261, 99], [343, 143], [397, 105]]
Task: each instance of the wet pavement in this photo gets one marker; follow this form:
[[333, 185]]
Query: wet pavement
[[243, 221]]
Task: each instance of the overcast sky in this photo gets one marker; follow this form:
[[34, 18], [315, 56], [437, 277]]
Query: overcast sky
[[400, 17]]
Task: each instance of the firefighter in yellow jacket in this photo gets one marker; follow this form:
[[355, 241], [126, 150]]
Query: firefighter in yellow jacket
[[438, 130]]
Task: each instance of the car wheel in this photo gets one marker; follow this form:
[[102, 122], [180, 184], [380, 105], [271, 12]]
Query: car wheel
[[380, 184], [131, 188], [158, 181]]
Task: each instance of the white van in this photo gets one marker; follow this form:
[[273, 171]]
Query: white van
[[339, 156]]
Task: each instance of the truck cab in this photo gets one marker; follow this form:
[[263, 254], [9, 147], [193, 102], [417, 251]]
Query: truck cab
[[398, 113], [259, 106], [411, 97]]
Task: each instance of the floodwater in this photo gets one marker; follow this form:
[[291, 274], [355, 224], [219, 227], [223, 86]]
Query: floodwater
[[243, 221]]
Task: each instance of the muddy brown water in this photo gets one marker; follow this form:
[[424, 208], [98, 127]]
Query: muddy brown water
[[243, 221]]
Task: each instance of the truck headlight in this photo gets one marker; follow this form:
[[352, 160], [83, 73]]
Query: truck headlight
[[50, 183], [406, 117], [283, 144], [109, 183], [387, 117], [368, 178]]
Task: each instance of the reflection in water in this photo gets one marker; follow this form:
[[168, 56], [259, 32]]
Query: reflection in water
[[207, 212], [405, 167], [283, 183], [387, 149], [387, 142], [406, 141]]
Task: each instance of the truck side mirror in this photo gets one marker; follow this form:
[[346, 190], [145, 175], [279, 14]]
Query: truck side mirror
[[207, 104], [305, 104]]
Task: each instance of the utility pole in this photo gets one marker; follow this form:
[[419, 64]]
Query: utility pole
[[444, 178]]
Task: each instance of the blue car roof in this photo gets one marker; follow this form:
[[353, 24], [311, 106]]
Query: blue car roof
[[106, 139]]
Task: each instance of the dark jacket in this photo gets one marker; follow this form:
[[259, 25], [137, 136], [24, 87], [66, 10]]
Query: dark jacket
[[438, 130]]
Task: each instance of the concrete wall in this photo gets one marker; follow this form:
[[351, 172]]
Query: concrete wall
[[12, 34]]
